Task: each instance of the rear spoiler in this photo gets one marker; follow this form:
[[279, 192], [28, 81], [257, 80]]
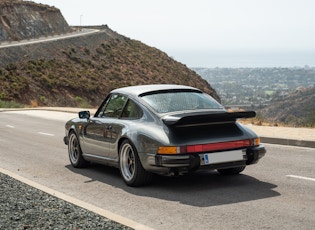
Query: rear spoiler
[[208, 118]]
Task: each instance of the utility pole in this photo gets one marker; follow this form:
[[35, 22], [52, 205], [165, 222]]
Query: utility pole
[[81, 19]]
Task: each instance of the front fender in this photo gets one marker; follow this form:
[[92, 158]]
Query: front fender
[[71, 126]]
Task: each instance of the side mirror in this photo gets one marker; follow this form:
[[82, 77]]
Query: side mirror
[[84, 114]]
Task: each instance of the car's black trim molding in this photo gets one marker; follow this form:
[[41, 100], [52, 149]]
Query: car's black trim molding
[[66, 140], [160, 91], [101, 159], [254, 154]]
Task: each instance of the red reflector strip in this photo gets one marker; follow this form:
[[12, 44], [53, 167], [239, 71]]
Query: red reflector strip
[[217, 146]]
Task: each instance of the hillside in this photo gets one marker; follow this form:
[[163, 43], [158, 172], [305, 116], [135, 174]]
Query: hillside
[[295, 109], [80, 71]]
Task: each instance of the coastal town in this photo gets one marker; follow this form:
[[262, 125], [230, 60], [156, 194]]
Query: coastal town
[[256, 87]]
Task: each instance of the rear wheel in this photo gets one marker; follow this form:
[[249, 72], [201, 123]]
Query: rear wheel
[[130, 166], [231, 171], [75, 152]]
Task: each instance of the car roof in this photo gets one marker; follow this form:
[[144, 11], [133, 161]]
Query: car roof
[[143, 89]]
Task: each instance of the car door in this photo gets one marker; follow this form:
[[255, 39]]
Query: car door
[[98, 133], [96, 137]]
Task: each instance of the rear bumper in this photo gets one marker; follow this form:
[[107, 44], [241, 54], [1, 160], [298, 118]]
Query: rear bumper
[[195, 162], [254, 154]]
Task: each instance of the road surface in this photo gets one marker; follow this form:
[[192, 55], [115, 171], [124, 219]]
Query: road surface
[[50, 38], [277, 193]]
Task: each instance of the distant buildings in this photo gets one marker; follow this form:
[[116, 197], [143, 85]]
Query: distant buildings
[[256, 87]]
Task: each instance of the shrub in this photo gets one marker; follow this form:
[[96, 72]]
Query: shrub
[[9, 104]]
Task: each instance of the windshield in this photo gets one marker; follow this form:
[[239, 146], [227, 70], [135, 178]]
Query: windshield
[[178, 101]]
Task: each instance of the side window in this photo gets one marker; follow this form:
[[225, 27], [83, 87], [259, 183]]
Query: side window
[[132, 111], [114, 106], [101, 110]]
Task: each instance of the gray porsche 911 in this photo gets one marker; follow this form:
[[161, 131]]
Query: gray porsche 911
[[162, 129]]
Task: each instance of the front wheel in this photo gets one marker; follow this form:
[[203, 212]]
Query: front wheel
[[231, 171], [75, 152], [130, 166]]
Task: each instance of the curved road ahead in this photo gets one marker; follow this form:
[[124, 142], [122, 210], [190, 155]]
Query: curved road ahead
[[277, 193], [50, 38]]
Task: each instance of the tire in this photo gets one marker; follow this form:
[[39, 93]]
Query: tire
[[130, 167], [231, 171], [75, 152]]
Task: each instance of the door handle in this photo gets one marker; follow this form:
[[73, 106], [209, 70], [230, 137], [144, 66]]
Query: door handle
[[96, 122]]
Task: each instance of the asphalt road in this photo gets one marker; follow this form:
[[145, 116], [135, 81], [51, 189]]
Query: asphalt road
[[47, 39], [277, 193]]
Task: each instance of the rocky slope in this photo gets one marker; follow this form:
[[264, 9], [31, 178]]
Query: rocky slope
[[26, 20]]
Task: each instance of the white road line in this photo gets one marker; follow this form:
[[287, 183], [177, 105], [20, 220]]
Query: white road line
[[10, 126], [46, 134], [302, 177]]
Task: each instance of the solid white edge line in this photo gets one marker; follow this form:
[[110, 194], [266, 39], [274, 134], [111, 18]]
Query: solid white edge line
[[105, 213], [301, 177], [10, 126]]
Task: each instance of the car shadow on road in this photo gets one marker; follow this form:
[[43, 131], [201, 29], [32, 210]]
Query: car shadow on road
[[203, 189]]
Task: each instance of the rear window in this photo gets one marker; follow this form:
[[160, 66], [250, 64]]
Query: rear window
[[178, 101]]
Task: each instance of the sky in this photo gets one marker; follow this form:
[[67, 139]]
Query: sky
[[208, 33]]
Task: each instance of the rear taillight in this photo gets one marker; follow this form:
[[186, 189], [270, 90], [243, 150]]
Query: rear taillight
[[211, 147]]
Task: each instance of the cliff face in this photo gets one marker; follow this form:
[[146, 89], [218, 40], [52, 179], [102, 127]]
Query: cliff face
[[21, 20]]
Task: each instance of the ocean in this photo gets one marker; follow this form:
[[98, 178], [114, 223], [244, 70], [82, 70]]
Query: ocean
[[212, 59]]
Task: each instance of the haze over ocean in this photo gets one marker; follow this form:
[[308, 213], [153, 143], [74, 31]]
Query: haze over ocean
[[234, 59]]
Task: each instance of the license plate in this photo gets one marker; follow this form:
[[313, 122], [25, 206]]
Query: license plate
[[223, 157]]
